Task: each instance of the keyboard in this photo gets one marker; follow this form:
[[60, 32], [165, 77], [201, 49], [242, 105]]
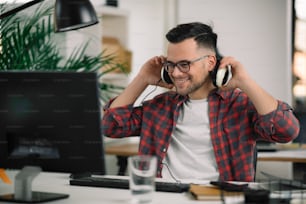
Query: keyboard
[[122, 183]]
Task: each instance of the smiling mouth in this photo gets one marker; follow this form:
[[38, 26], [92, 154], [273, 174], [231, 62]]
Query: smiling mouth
[[180, 81]]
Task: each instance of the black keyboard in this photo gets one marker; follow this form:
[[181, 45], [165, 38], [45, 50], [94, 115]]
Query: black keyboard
[[124, 184]]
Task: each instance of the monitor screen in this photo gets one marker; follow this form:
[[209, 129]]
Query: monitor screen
[[51, 120]]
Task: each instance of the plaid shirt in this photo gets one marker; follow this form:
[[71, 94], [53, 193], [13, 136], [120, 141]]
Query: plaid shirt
[[234, 125]]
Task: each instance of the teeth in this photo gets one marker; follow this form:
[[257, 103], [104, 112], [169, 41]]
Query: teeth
[[181, 80]]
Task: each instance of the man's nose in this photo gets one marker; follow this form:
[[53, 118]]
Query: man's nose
[[176, 71]]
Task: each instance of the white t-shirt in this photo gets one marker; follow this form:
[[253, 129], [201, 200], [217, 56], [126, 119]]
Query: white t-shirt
[[190, 154]]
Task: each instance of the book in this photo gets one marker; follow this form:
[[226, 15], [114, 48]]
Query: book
[[206, 192]]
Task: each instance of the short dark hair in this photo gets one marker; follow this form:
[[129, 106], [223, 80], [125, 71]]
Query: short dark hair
[[202, 34]]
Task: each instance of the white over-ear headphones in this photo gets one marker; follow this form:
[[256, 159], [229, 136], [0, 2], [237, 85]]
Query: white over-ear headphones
[[223, 76]]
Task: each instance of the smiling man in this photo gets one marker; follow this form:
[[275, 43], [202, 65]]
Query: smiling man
[[198, 130]]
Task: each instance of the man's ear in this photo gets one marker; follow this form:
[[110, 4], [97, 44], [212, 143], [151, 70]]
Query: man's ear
[[212, 61]]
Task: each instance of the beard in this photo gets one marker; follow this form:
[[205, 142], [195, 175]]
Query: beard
[[193, 86]]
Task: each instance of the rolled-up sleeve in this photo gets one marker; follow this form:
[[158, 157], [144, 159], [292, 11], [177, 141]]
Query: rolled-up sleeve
[[279, 125], [122, 121]]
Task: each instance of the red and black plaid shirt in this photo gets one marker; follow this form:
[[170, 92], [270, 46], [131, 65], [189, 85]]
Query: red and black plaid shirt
[[234, 125]]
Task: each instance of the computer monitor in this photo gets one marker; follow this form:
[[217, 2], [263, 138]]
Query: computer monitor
[[51, 120]]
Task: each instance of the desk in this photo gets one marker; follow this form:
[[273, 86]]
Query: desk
[[291, 155], [285, 163], [59, 183], [128, 149], [122, 152], [296, 155]]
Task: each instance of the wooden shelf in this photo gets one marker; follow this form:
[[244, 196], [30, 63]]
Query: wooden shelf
[[108, 11], [114, 23]]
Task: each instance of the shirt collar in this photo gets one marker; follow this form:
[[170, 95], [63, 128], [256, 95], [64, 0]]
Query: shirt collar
[[222, 94]]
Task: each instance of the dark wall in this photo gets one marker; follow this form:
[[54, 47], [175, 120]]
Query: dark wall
[[301, 115]]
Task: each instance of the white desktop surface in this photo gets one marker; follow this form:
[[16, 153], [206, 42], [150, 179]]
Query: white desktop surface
[[59, 183], [280, 163], [295, 153]]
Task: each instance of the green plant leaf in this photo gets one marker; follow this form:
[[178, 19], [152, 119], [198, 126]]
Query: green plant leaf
[[28, 43]]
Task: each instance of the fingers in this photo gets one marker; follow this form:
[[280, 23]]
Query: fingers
[[161, 83], [228, 61], [159, 59], [151, 71]]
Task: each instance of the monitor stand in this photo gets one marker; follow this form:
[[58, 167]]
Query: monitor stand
[[23, 189]]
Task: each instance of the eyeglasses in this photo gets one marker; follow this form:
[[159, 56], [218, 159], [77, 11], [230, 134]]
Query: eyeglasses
[[183, 66]]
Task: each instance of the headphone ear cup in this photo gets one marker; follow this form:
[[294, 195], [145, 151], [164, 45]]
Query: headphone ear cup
[[165, 76], [223, 76]]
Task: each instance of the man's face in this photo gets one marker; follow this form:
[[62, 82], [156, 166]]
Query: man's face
[[196, 82]]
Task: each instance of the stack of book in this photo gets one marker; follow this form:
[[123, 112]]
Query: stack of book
[[207, 192]]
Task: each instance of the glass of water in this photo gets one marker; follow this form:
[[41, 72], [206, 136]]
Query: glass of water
[[142, 178]]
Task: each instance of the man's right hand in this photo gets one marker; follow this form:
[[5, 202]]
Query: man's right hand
[[151, 70], [149, 74]]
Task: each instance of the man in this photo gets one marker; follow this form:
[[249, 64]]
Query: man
[[199, 131]]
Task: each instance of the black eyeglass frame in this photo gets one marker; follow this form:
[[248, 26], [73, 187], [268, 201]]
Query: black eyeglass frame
[[183, 66]]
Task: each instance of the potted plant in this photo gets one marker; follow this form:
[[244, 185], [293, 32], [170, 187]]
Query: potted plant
[[28, 43]]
